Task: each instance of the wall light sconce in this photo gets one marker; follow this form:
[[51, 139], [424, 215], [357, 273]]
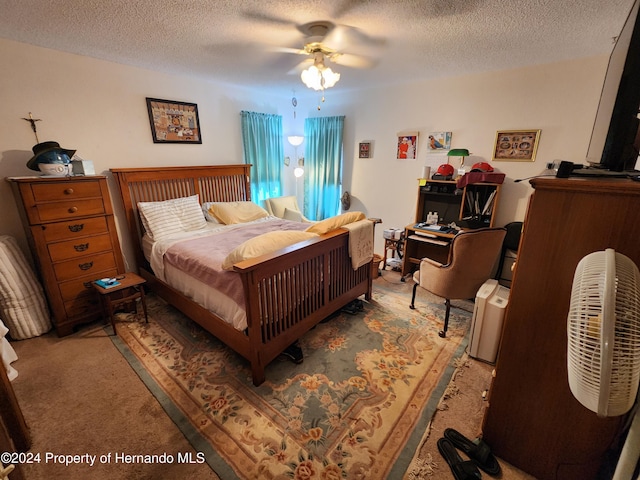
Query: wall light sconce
[[299, 170], [296, 141]]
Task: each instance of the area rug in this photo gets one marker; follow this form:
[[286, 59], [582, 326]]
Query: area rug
[[357, 407]]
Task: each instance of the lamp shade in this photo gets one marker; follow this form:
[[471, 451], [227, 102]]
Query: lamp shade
[[295, 140], [458, 152]]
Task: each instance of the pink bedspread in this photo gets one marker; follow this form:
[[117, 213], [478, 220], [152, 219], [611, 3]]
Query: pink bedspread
[[202, 257]]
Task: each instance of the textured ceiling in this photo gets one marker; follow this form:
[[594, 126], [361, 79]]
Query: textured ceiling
[[242, 41]]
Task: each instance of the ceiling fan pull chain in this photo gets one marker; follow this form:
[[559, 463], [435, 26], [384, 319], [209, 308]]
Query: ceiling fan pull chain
[[321, 100]]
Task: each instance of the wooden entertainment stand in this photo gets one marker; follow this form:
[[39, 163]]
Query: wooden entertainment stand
[[532, 420]]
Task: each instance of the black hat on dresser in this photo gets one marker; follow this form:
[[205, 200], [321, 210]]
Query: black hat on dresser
[[49, 152]]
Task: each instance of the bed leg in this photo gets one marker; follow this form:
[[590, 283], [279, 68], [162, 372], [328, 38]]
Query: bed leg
[[257, 374]]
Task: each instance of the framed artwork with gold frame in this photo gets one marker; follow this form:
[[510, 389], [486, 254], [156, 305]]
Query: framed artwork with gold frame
[[173, 121], [516, 145]]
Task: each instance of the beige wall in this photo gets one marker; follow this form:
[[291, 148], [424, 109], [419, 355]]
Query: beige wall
[[559, 99], [99, 109]]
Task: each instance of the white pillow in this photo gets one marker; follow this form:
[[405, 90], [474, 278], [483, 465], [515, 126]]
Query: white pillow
[[161, 219], [207, 214], [292, 215]]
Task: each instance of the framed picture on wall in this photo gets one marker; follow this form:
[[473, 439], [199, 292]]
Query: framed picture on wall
[[407, 146], [516, 145], [173, 122], [439, 142], [364, 150]]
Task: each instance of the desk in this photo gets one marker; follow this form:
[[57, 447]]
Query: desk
[[130, 289], [469, 206], [420, 243]]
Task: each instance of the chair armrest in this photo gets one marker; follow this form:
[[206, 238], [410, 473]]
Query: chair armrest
[[431, 262]]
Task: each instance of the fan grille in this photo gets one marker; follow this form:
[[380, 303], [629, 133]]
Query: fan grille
[[603, 328]]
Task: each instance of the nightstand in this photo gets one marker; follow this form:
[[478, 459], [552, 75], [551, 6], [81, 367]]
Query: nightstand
[[130, 289]]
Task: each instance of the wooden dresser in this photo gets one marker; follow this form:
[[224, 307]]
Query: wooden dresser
[[532, 420], [70, 226]]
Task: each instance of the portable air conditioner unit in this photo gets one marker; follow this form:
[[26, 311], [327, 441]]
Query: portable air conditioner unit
[[486, 324]]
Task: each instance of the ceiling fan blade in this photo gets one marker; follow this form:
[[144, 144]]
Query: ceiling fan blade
[[266, 18], [297, 51], [344, 37], [353, 61], [346, 6], [297, 70]]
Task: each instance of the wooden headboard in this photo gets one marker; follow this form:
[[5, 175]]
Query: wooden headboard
[[213, 183]]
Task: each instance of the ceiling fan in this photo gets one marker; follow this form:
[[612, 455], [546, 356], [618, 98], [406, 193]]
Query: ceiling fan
[[324, 43]]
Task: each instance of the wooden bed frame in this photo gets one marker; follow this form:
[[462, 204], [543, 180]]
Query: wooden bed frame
[[286, 292]]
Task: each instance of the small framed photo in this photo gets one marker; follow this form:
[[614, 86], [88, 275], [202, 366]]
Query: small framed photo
[[407, 146], [516, 145], [439, 142], [364, 150], [173, 122]]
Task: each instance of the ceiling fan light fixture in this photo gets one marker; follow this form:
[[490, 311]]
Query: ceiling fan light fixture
[[319, 77]]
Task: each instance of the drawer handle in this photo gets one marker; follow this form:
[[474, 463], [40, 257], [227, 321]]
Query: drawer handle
[[68, 191], [73, 210], [86, 284], [85, 266], [77, 227], [81, 247]]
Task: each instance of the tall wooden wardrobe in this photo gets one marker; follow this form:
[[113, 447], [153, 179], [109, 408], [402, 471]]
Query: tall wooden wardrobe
[[532, 420]]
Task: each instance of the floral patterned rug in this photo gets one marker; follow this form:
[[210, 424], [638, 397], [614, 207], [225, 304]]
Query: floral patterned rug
[[357, 406]]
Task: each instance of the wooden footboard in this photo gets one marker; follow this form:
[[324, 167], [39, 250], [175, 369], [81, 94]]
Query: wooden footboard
[[286, 292], [290, 291]]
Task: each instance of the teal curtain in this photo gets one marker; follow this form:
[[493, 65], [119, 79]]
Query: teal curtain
[[323, 166], [262, 144]]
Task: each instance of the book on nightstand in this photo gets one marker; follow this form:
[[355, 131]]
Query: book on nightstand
[[107, 282]]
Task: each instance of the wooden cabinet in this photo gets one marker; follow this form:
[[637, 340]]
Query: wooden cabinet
[[72, 234], [473, 206], [532, 420]]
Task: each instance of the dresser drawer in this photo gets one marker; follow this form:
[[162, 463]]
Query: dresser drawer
[[72, 209], [79, 247], [74, 228], [85, 306], [51, 192], [84, 266], [79, 287]]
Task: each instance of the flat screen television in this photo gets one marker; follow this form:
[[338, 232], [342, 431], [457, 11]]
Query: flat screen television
[[615, 138]]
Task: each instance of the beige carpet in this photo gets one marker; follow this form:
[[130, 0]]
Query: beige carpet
[[79, 396]]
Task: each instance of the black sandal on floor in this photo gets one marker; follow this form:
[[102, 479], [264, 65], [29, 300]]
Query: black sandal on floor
[[477, 450], [461, 469], [294, 353]]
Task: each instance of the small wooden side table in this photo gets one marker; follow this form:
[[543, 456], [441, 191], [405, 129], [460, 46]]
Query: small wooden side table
[[389, 244], [130, 289]]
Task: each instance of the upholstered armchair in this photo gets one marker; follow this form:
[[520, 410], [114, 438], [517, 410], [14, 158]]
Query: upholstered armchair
[[285, 207], [472, 258]]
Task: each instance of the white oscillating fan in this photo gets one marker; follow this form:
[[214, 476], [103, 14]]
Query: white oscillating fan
[[603, 348]]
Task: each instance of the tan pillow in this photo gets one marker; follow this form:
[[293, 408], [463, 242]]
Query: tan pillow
[[265, 243], [237, 212], [292, 215], [333, 223]]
